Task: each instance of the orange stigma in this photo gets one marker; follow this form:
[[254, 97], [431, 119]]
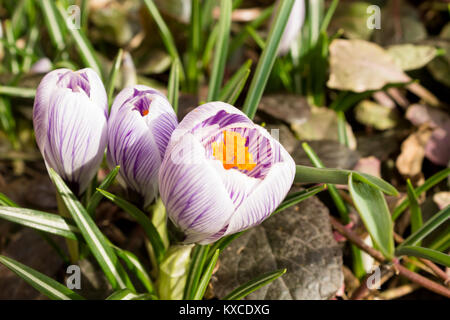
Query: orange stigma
[[232, 152], [144, 113]]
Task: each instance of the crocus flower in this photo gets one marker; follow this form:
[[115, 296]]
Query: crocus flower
[[70, 123], [222, 173], [293, 27], [139, 128]]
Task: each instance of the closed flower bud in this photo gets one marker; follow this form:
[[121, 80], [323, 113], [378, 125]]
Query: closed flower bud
[[222, 173], [70, 122], [293, 27], [139, 128]]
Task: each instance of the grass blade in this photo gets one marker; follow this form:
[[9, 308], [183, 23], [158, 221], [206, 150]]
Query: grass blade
[[40, 220], [14, 64], [53, 26], [194, 46], [113, 75], [297, 197], [97, 196], [123, 294], [221, 50], [425, 253], [428, 227], [204, 281], [374, 212], [326, 20], [233, 88], [416, 213], [267, 59], [17, 92], [253, 285], [142, 219], [97, 242], [174, 85], [83, 45], [47, 286], [197, 263], [428, 184]]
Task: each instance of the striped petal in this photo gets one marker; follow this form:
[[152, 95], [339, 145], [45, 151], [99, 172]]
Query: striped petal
[[193, 192], [139, 129]]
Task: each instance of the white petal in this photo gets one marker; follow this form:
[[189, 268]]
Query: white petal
[[97, 92], [192, 191]]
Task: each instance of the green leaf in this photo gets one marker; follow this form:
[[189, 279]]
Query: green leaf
[[52, 23], [113, 75], [97, 196], [429, 226], [374, 212], [425, 253], [174, 85], [164, 31], [135, 266], [416, 213], [305, 174], [194, 46], [47, 286], [18, 92], [221, 50], [204, 281], [297, 197], [142, 219], [97, 242], [83, 45], [5, 201], [196, 265], [233, 88], [39, 220], [253, 285], [326, 20], [127, 294], [267, 59], [429, 183]]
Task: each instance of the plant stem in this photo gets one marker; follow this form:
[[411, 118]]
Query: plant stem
[[72, 245]]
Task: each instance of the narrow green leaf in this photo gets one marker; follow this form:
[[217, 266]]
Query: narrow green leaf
[[428, 227], [17, 92], [97, 196], [222, 243], [428, 184], [40, 220], [221, 50], [253, 285], [297, 197], [47, 286], [342, 129], [196, 265], [83, 45], [123, 294], [194, 46], [53, 26], [267, 59], [416, 213], [233, 88], [113, 75], [305, 174], [5, 201], [374, 212], [174, 85], [135, 266], [425, 253], [204, 281], [142, 219], [96, 241], [340, 204], [330, 12], [442, 241], [32, 38], [14, 64], [164, 31]]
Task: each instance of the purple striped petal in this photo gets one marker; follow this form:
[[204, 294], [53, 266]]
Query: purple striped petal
[[139, 128], [69, 118], [207, 192]]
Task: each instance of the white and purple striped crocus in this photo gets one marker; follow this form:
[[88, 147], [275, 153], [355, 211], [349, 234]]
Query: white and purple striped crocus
[[70, 123], [222, 173], [139, 128], [293, 27]]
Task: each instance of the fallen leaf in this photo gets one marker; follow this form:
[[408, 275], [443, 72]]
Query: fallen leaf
[[352, 18], [376, 115], [369, 165], [411, 57], [442, 199], [358, 65], [409, 162], [298, 239]]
